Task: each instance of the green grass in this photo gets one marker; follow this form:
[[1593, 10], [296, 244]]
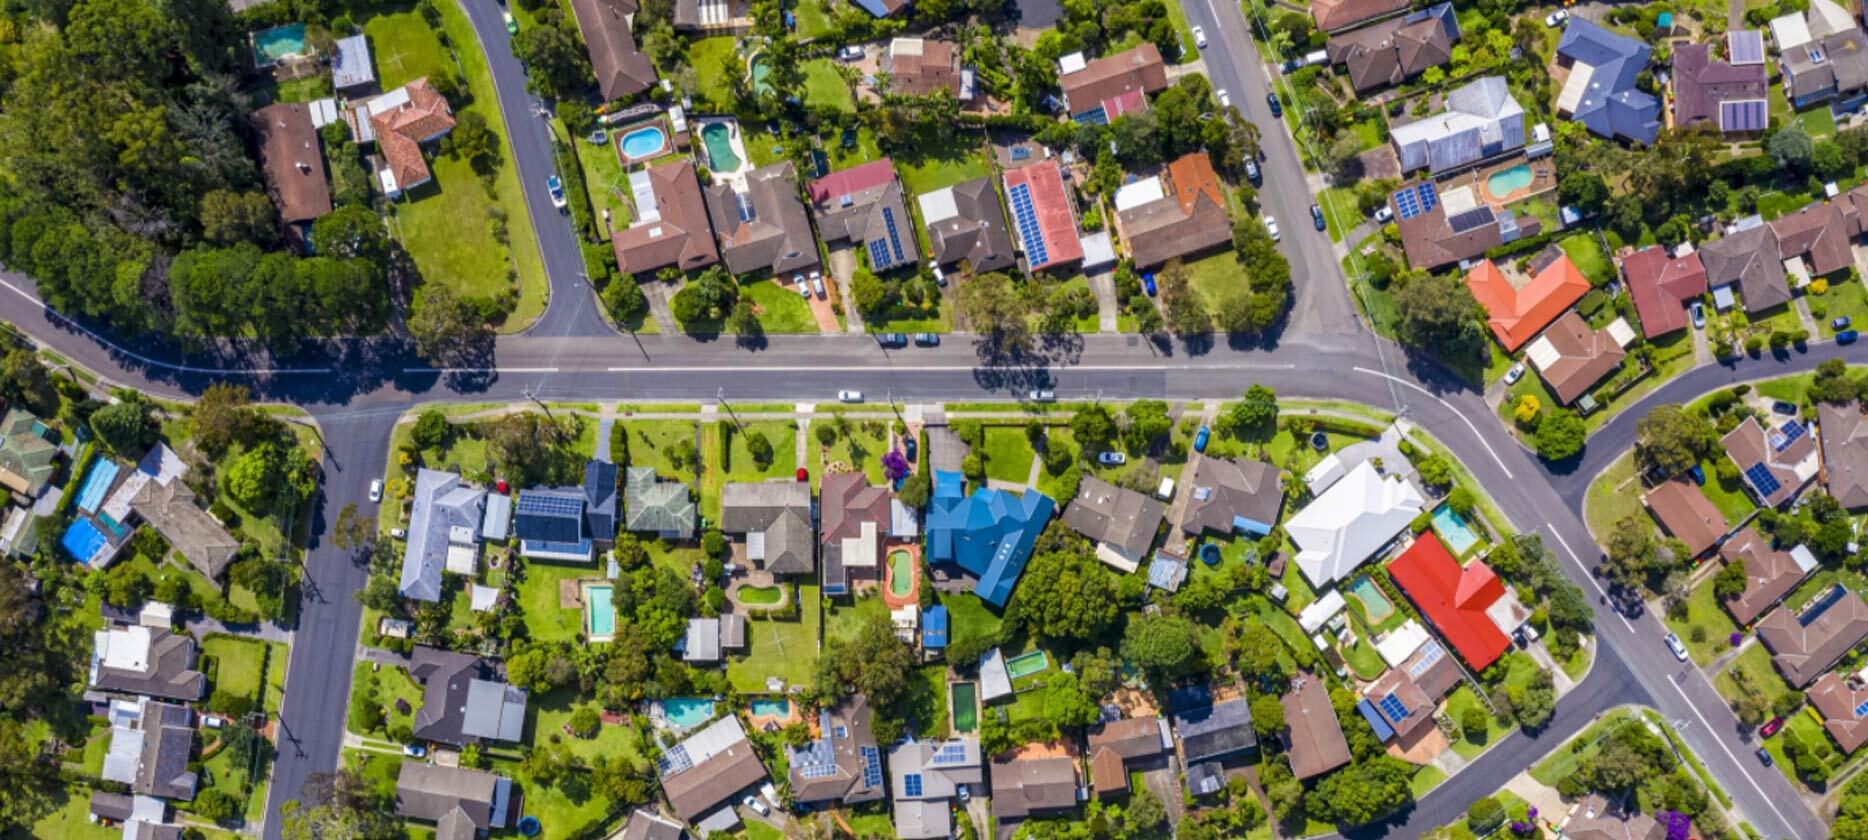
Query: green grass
[[1566, 759], [926, 167], [740, 466], [606, 182], [1728, 496], [1818, 121], [1473, 742], [1613, 496], [823, 86], [307, 89], [651, 443], [706, 56], [538, 598], [1704, 612], [784, 649], [1190, 52], [241, 665], [862, 449], [1426, 779], [969, 617], [843, 621], [759, 595], [1586, 251], [385, 687], [547, 714], [780, 309], [1008, 454], [1339, 211], [863, 150], [1218, 278], [1843, 299], [813, 20], [1755, 661], [1807, 725]]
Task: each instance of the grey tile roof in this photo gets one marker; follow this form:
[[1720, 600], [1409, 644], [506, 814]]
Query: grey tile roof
[[654, 506], [431, 792], [459, 705], [167, 669], [1221, 491], [764, 229], [1217, 731], [976, 232], [1749, 258], [1033, 786], [1612, 106], [1121, 519], [779, 511], [441, 503], [1845, 453]]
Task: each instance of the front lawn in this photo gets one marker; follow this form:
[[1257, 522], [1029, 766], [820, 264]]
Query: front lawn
[[239, 668], [1008, 454], [1805, 725], [1614, 495], [1706, 628], [383, 687], [1849, 299], [1759, 677], [780, 308], [783, 649], [860, 448], [1568, 758], [1218, 278], [606, 182], [740, 466], [1473, 742], [652, 444]]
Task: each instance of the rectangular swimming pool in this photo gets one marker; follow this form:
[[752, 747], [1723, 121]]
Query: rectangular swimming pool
[[599, 612], [1026, 664], [1453, 528], [965, 707], [780, 708]]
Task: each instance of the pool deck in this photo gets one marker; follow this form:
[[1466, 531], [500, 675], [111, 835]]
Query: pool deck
[[762, 722], [659, 123], [888, 572], [1543, 180], [737, 175]]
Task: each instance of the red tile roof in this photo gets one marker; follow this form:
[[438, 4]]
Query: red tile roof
[[1057, 224], [422, 116], [1453, 598], [1662, 287], [854, 180], [1515, 315]]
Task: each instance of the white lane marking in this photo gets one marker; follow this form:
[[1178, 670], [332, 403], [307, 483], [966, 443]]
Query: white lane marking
[[114, 347], [1587, 574], [1449, 407], [783, 368], [481, 370], [1728, 753]]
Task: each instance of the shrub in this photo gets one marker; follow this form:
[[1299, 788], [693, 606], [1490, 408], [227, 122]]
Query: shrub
[[585, 722], [1472, 720]]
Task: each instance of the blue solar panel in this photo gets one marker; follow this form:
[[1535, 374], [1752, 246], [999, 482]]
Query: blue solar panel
[[872, 767], [879, 254], [676, 760], [1762, 480], [1391, 706], [1787, 434], [950, 754], [911, 784], [1744, 115], [895, 241], [1027, 219], [1415, 200], [1428, 196], [1862, 709], [551, 503]]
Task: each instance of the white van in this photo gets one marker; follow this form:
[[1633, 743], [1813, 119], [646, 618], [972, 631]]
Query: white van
[[1166, 490]]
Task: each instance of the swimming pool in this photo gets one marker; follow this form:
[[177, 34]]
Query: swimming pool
[[965, 707], [644, 142], [599, 612], [760, 69], [685, 712], [96, 483], [1507, 181], [279, 42], [1454, 528], [1026, 664], [719, 142], [780, 708], [1374, 603], [901, 574], [83, 541]]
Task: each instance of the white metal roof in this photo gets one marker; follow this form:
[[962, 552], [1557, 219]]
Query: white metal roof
[[1350, 521], [1139, 192], [1313, 617], [1071, 63], [1542, 353], [1621, 332], [1400, 643], [1789, 31], [937, 206]]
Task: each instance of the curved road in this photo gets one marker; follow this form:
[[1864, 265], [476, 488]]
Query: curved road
[[357, 389]]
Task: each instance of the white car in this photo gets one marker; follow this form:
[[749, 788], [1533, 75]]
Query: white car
[[1199, 37], [376, 490], [850, 396], [1043, 395], [1557, 18], [1225, 100], [1673, 644], [853, 52], [804, 286], [399, 533], [1112, 459], [817, 283], [1384, 213], [1271, 227], [556, 187], [1514, 374], [754, 803], [414, 751]]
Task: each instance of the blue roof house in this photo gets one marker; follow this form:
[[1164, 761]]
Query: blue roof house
[[1600, 90], [989, 534], [934, 628]]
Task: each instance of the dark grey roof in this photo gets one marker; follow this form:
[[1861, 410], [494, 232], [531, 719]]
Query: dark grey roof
[[1121, 519], [1027, 786], [843, 764], [168, 669], [648, 825], [765, 228], [654, 506], [168, 739], [976, 232], [1612, 106], [110, 806], [778, 514], [600, 500], [1748, 257], [1221, 491], [1215, 732], [460, 706], [431, 792]]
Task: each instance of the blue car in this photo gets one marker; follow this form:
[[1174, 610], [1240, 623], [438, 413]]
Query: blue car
[[1841, 323], [1846, 337], [1148, 283], [1200, 438], [1277, 110]]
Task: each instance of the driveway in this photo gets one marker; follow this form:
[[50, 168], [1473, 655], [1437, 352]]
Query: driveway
[[843, 267]]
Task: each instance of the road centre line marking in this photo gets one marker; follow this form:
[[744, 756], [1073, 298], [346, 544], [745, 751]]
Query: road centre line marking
[[481, 370], [1449, 407], [782, 368], [1728, 751]]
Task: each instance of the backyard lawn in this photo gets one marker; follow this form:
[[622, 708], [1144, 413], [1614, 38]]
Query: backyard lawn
[[545, 621], [1008, 454], [1586, 251], [930, 166], [969, 617], [708, 56], [783, 649], [606, 182], [549, 714], [823, 86], [780, 308], [1706, 628]]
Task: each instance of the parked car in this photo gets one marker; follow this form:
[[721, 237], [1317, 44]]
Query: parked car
[[557, 191], [1043, 395], [1112, 459], [1225, 99], [1841, 323], [754, 803], [1316, 217], [1271, 227], [1673, 644], [1557, 18], [849, 396], [1788, 409], [1698, 310], [414, 750], [853, 52], [1515, 373], [909, 448], [1384, 213], [1770, 727], [804, 474], [1846, 337], [940, 277], [399, 533], [376, 490], [817, 285], [512, 26], [1277, 110], [1291, 66], [1200, 438], [1251, 170], [927, 339], [1764, 756], [1199, 37], [1148, 283], [892, 340]]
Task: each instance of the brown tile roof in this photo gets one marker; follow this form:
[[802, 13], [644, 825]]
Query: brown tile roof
[[1662, 286], [1841, 704], [1819, 234], [421, 115], [920, 66], [833, 767], [1393, 51], [1582, 356], [694, 792], [1332, 15], [1137, 70], [1686, 513], [976, 232], [1108, 775], [1189, 219], [846, 501], [682, 236], [1790, 464], [1022, 787], [1129, 738], [291, 162], [778, 237], [1804, 644], [1845, 453], [1431, 242], [1315, 736], [1701, 82], [1596, 819], [1770, 573], [622, 70], [1749, 258]]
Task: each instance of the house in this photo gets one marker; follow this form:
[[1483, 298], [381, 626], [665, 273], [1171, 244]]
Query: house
[[1814, 241], [350, 64], [402, 120], [882, 8], [172, 508], [1662, 287], [1843, 703], [1747, 258], [1770, 574], [1187, 219], [1115, 745], [1227, 496], [1208, 730], [989, 534], [775, 517], [708, 639], [763, 228], [1709, 91], [648, 825], [150, 746], [1120, 521], [652, 506], [842, 764], [1481, 121], [1599, 90], [1516, 313], [674, 232], [925, 777], [1775, 464], [856, 517], [712, 16], [966, 222], [150, 661], [1459, 601], [444, 524], [1685, 513], [142, 817], [568, 523], [1043, 215], [1096, 92], [28, 455], [1598, 819], [1405, 696], [622, 69], [1037, 786], [292, 164], [1334, 15], [1805, 643], [864, 206], [1440, 230], [709, 769], [1834, 66], [921, 66], [461, 703], [1312, 734], [1350, 522], [1845, 453], [460, 802], [1572, 358], [1394, 51]]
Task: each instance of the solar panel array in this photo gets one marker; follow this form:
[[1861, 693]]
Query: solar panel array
[[872, 767], [550, 504], [1430, 655], [1477, 217], [1026, 217], [1744, 115], [1746, 46], [1415, 200], [1762, 480], [1391, 706], [895, 239], [819, 770], [1861, 709], [676, 760], [911, 784], [1787, 434], [950, 754]]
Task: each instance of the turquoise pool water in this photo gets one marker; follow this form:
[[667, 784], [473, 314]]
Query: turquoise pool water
[[720, 157], [1025, 664], [1507, 181], [96, 482], [279, 42], [599, 611], [760, 70], [771, 708], [687, 711], [643, 142], [1373, 601], [1454, 528]]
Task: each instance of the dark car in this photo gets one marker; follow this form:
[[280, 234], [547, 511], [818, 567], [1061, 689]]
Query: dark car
[[1841, 323], [1251, 170], [1277, 110], [1316, 217], [1846, 337], [1148, 283], [1764, 755], [927, 339], [909, 448], [892, 340]]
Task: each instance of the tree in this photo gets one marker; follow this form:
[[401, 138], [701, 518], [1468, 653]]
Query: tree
[[431, 429], [1258, 411], [1065, 596], [1559, 436], [447, 331], [1791, 148], [1583, 190], [473, 141], [1181, 305], [744, 320], [1145, 422], [871, 294], [1256, 650], [1439, 314], [585, 722], [873, 662], [556, 62], [1729, 583], [625, 300], [1267, 715], [1164, 644], [352, 232], [125, 426], [1484, 814], [229, 218], [549, 762], [760, 448], [1093, 428], [1473, 721], [340, 806], [1671, 439], [252, 480], [24, 380], [1066, 704], [527, 446], [996, 311], [215, 804], [1632, 552], [1362, 792], [1536, 704]]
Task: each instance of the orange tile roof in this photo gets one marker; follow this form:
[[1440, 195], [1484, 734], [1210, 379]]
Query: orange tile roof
[[1516, 315]]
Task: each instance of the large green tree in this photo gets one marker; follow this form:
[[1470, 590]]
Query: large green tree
[[1066, 596], [1670, 439]]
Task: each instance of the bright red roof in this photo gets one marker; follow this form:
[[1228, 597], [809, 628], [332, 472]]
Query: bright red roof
[[1517, 314], [853, 180], [1057, 226], [1453, 598]]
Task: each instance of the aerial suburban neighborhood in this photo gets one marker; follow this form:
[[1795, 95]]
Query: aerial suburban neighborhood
[[629, 420]]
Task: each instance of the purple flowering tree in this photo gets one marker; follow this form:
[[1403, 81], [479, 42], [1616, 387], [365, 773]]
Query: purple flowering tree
[[1678, 825], [895, 465]]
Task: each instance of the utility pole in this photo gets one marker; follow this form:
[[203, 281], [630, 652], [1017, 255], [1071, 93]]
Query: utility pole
[[720, 395]]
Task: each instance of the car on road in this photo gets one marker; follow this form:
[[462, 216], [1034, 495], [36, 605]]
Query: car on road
[[754, 803], [1770, 727], [1764, 756], [1384, 213], [1277, 110], [1699, 315], [1225, 99], [1841, 323], [927, 339], [1043, 395], [1251, 170], [892, 340], [1316, 217], [1846, 337], [414, 750], [1515, 373], [557, 191], [1200, 438], [1148, 283], [1112, 459], [1557, 18], [817, 285], [1199, 37], [849, 396], [1673, 644], [853, 52], [512, 26], [376, 490], [1271, 227]]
